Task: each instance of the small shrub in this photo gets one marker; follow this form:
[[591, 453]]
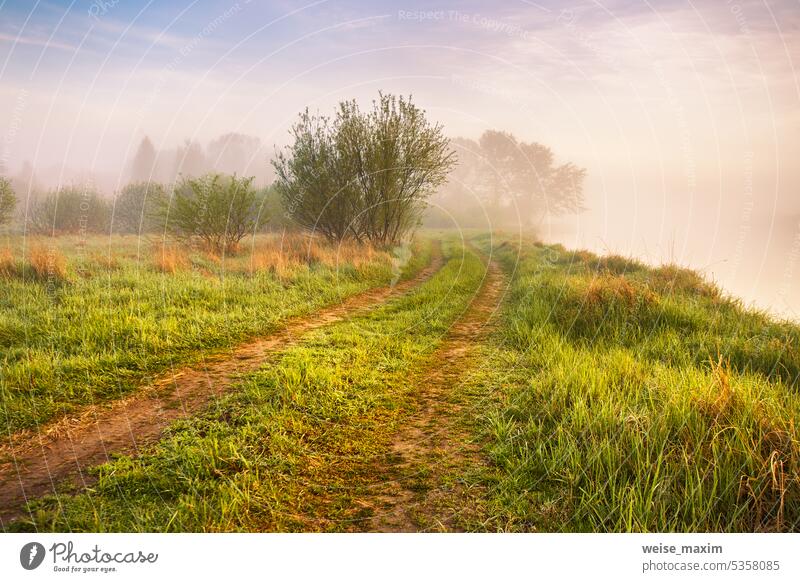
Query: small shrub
[[8, 201]]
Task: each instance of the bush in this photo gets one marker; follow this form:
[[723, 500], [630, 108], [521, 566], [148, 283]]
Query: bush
[[8, 201], [72, 210], [364, 176], [215, 209], [136, 208]]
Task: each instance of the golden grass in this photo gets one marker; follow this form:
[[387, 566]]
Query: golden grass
[[606, 289], [107, 261], [169, 258], [285, 255], [48, 263], [8, 266]]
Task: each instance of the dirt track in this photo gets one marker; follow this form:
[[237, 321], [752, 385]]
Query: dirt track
[[34, 466], [410, 492]]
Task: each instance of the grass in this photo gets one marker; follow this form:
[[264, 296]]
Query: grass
[[296, 444], [631, 398], [85, 321], [611, 397]]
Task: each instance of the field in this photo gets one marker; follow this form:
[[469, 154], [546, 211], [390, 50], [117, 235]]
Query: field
[[493, 384]]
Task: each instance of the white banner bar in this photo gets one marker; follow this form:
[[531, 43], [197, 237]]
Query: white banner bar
[[763, 557]]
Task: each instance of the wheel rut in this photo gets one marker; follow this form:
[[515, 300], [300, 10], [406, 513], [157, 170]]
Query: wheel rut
[[413, 491], [33, 464]]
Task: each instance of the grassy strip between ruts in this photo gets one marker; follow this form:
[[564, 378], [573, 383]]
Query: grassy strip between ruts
[[634, 399], [293, 446], [98, 337]]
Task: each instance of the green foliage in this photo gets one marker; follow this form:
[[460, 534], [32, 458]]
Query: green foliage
[[136, 208], [363, 175], [8, 201], [72, 210], [215, 209]]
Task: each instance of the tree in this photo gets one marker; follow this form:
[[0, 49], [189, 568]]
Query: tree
[[144, 162], [136, 207], [233, 153], [314, 181], [365, 176], [517, 180], [216, 209], [8, 201], [73, 209], [190, 160]]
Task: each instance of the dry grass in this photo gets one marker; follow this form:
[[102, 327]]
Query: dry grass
[[607, 289], [8, 266], [106, 261], [48, 263], [169, 258], [284, 255]]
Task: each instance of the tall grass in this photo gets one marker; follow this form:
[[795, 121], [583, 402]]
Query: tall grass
[[70, 341], [640, 400], [296, 443]]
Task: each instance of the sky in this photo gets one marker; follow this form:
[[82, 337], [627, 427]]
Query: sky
[[686, 114]]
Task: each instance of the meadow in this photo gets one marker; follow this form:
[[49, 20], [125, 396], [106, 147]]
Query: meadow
[[633, 398], [599, 394], [89, 319], [297, 442]]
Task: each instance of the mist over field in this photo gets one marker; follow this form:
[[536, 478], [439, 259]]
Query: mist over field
[[684, 115]]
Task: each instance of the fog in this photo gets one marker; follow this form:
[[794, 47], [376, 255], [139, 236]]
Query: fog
[[685, 116]]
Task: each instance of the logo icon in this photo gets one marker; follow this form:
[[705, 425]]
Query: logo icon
[[31, 555]]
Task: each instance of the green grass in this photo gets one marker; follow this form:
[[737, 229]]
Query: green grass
[[636, 399], [296, 444], [106, 328]]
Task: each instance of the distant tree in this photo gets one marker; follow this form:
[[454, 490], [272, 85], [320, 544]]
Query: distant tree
[[144, 162], [515, 180], [8, 201], [215, 209], [365, 176], [234, 153], [72, 209], [136, 208], [190, 160], [270, 204]]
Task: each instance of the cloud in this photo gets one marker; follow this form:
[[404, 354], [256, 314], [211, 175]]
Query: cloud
[[34, 41]]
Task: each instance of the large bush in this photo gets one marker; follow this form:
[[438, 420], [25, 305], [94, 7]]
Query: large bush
[[363, 175], [72, 210], [216, 210], [136, 208]]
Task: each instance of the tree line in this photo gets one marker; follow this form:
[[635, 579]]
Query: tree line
[[364, 175]]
